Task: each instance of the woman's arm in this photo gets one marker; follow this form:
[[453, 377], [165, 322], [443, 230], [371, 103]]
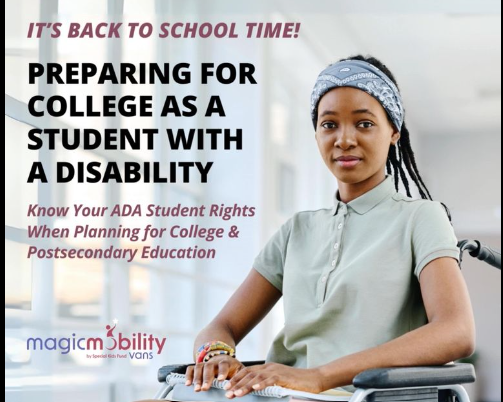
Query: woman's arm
[[251, 302], [449, 335]]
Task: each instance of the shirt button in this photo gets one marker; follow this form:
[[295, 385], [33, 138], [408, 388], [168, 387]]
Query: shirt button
[[324, 279], [340, 226], [336, 246], [334, 263]]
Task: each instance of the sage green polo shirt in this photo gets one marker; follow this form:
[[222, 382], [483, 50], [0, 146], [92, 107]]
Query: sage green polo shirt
[[349, 275]]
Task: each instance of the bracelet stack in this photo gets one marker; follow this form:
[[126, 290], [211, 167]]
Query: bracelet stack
[[212, 349]]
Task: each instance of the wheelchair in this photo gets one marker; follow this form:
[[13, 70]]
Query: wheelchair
[[417, 384]]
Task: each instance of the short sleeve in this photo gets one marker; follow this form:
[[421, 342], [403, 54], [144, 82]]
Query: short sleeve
[[271, 260], [432, 236]]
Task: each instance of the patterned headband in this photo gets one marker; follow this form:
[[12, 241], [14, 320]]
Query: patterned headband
[[361, 75]]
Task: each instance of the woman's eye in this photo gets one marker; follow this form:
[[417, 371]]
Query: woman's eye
[[366, 124], [328, 126]]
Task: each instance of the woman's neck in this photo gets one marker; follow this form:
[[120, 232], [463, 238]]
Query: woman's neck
[[349, 191]]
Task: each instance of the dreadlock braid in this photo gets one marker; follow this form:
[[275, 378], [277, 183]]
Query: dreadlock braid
[[388, 166], [406, 157], [410, 163], [394, 163], [403, 176]]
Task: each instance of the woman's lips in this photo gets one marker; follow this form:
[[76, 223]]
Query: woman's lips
[[348, 163]]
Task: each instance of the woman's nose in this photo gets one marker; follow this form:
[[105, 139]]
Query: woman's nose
[[345, 139]]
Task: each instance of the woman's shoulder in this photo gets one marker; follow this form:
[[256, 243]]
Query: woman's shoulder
[[419, 207], [414, 203]]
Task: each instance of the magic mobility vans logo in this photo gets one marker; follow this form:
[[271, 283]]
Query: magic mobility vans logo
[[139, 346]]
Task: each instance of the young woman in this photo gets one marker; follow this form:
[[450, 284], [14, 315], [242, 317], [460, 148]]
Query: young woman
[[372, 282]]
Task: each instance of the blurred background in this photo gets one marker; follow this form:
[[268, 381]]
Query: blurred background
[[447, 60]]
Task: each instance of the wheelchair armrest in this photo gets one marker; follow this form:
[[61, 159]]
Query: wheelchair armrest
[[405, 377], [182, 368]]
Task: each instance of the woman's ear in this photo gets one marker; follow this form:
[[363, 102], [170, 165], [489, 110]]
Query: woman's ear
[[395, 137]]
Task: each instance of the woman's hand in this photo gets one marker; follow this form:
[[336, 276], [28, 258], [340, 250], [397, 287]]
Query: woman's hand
[[256, 378], [219, 367]]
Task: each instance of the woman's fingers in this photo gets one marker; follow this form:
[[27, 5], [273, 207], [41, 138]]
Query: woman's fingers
[[237, 377], [244, 380], [198, 376], [223, 370], [263, 384], [208, 375], [189, 375], [202, 374], [245, 385]]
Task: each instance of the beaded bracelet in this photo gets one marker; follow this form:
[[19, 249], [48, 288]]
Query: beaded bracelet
[[209, 347], [216, 353]]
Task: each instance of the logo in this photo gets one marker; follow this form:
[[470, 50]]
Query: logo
[[110, 333], [344, 70], [138, 346]]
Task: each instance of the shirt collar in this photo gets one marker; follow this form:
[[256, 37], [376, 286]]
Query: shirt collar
[[370, 199]]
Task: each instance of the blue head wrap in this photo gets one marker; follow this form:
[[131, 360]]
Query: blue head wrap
[[361, 75]]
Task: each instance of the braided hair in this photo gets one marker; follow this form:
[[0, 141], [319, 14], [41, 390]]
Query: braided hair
[[401, 155]]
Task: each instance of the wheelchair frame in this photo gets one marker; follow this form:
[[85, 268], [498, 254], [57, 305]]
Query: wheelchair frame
[[382, 383]]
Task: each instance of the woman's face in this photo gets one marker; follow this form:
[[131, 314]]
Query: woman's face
[[353, 125]]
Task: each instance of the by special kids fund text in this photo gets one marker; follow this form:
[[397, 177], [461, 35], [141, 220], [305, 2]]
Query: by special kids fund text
[[133, 240]]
